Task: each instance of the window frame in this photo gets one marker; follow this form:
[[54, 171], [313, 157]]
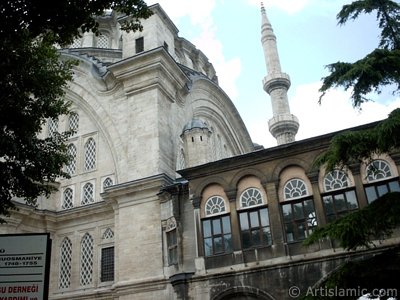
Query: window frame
[[107, 264], [215, 236], [248, 211], [298, 221], [337, 213]]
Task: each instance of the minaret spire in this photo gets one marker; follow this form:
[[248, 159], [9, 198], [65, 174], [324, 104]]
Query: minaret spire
[[283, 125]]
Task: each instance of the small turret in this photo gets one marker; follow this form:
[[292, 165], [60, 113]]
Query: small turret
[[196, 139]]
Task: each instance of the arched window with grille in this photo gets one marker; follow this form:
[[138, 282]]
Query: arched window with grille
[[73, 121], [52, 126], [107, 256], [217, 234], [380, 180], [87, 194], [103, 41], [64, 276], [339, 197], [86, 260], [90, 154], [71, 166], [107, 182], [254, 220], [298, 210], [68, 199]]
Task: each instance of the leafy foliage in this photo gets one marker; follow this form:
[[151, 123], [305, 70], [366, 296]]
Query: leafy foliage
[[378, 69], [357, 229], [369, 275], [32, 82]]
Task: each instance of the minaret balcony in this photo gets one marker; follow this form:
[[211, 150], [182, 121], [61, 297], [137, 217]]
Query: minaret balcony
[[277, 80]]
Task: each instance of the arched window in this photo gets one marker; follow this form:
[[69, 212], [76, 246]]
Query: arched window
[[378, 170], [295, 188], [86, 265], [73, 121], [339, 199], [217, 234], [297, 210], [68, 199], [52, 127], [380, 180], [64, 276], [71, 166], [87, 194], [107, 182], [335, 180], [254, 220], [90, 154], [250, 197], [108, 234], [215, 205]]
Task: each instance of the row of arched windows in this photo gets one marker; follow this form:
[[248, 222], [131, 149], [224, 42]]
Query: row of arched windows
[[86, 260], [72, 124], [297, 208], [87, 194]]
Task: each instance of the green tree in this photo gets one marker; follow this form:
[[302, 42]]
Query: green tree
[[32, 82], [378, 70]]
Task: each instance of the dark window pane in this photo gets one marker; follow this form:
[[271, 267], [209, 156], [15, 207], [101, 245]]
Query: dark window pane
[[394, 186], [351, 200], [298, 211], [208, 247], [139, 45], [228, 243], [340, 202], [309, 207], [255, 236], [107, 264], [264, 217], [246, 239], [254, 222], [244, 223], [382, 189], [267, 236], [216, 224], [289, 232], [287, 212], [226, 224], [207, 228], [218, 246], [301, 234], [371, 193], [328, 204]]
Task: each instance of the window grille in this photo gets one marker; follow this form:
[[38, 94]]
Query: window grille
[[107, 264], [77, 43], [68, 201], [71, 166], [378, 170], [107, 182], [64, 278], [88, 194], [215, 205], [108, 234], [295, 188], [73, 121], [335, 180], [90, 154], [86, 270], [52, 127], [251, 197]]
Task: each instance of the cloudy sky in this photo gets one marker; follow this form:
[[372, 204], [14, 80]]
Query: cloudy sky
[[308, 37]]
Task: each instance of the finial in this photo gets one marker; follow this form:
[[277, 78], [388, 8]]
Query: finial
[[262, 7]]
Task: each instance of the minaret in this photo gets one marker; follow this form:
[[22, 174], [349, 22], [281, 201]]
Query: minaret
[[283, 125]]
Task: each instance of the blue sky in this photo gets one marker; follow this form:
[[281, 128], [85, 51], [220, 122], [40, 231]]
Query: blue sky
[[308, 37]]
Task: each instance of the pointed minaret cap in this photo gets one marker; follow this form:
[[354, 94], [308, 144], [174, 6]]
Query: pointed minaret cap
[[283, 125]]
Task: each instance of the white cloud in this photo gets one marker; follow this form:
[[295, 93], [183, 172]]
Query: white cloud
[[200, 15], [335, 112]]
